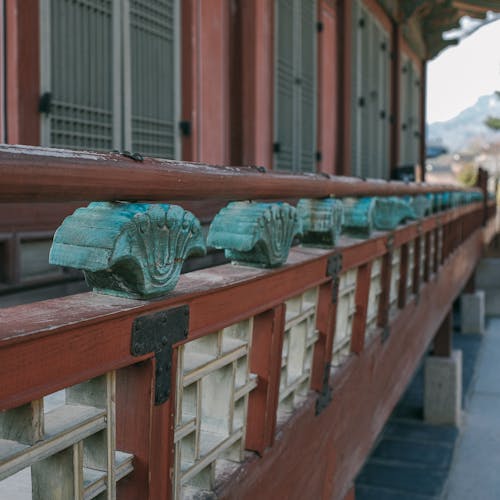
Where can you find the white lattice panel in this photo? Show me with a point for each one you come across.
(440, 237)
(64, 445)
(395, 278)
(346, 307)
(432, 252)
(213, 383)
(299, 337)
(374, 297)
(411, 267)
(422, 259)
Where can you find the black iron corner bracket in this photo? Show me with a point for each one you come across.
(158, 332)
(333, 269)
(325, 396)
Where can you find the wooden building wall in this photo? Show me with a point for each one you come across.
(227, 90)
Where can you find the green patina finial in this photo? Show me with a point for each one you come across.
(391, 211)
(358, 216)
(321, 220)
(257, 234)
(131, 250)
(421, 205)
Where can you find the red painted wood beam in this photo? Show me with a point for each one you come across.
(45, 175)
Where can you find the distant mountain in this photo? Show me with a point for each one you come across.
(460, 132)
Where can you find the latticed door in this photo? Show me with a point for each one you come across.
(109, 75)
(295, 85)
(410, 112)
(370, 97)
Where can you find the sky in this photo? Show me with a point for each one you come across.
(458, 76)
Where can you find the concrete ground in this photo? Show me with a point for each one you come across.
(475, 469)
(414, 460)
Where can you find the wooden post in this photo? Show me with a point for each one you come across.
(427, 259)
(416, 267)
(403, 276)
(361, 301)
(265, 362)
(325, 323)
(443, 337)
(385, 295)
(134, 403)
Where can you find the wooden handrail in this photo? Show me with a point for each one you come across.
(33, 174)
(67, 341)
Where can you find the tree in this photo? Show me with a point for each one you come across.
(467, 175)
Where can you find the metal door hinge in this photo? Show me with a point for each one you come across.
(45, 103)
(386, 332)
(185, 127)
(389, 244)
(319, 27)
(276, 147)
(158, 332)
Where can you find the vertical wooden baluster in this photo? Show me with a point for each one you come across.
(416, 265)
(385, 296)
(325, 323)
(134, 403)
(403, 276)
(361, 301)
(265, 362)
(427, 260)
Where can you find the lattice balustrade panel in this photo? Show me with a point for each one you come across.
(440, 237)
(213, 383)
(346, 308)
(374, 297)
(395, 278)
(432, 250)
(422, 259)
(299, 337)
(63, 446)
(411, 267)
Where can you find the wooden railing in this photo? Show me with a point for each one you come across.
(243, 381)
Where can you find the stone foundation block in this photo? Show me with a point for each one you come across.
(472, 312)
(443, 389)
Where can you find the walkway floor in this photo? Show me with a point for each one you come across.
(475, 470)
(413, 460)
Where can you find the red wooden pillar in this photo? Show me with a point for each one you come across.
(22, 71)
(328, 83)
(253, 83)
(443, 338)
(205, 80)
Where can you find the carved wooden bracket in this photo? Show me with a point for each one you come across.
(358, 216)
(133, 250)
(391, 211)
(256, 234)
(321, 220)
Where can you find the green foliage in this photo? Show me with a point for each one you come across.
(468, 175)
(492, 122)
